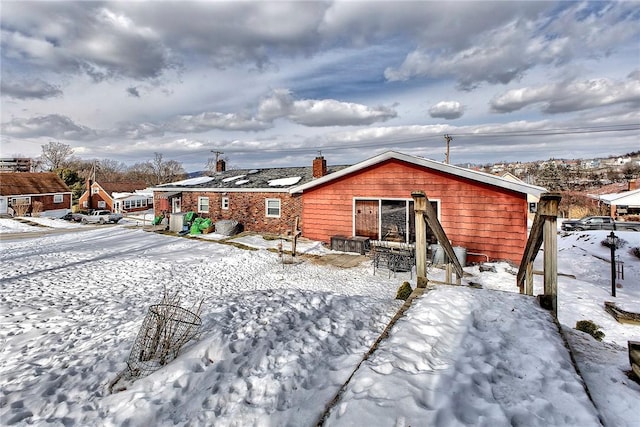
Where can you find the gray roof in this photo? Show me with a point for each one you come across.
(248, 180)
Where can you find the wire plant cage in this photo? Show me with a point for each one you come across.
(165, 329)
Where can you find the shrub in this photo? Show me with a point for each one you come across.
(21, 209)
(404, 291)
(621, 243)
(590, 328)
(36, 208)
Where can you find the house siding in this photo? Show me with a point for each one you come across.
(101, 196)
(248, 208)
(480, 217)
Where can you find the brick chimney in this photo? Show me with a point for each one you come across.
(633, 184)
(319, 167)
(221, 166)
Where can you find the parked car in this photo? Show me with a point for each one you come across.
(76, 217)
(101, 217)
(599, 223)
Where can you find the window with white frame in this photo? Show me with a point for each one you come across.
(85, 204)
(272, 208)
(20, 201)
(225, 203)
(203, 204)
(102, 204)
(58, 198)
(95, 190)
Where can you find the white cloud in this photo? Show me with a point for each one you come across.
(320, 112)
(448, 110)
(570, 96)
(52, 125)
(28, 89)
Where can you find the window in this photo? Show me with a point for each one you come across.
(101, 204)
(20, 201)
(95, 190)
(388, 219)
(533, 207)
(85, 204)
(272, 207)
(203, 204)
(225, 203)
(57, 198)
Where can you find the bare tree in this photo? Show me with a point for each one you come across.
(157, 171)
(56, 154)
(111, 170)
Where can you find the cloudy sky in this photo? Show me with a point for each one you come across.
(273, 83)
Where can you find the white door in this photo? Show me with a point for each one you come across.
(176, 205)
(3, 205)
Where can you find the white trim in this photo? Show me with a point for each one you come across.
(200, 199)
(427, 163)
(224, 206)
(35, 194)
(266, 208)
(60, 200)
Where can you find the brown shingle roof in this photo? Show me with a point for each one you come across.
(19, 183)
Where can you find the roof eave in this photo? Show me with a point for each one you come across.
(431, 164)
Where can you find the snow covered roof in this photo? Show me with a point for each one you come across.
(285, 182)
(486, 178)
(275, 180)
(190, 181)
(627, 198)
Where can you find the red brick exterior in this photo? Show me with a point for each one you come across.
(482, 218)
(319, 167)
(47, 202)
(248, 208)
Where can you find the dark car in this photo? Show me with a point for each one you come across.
(75, 217)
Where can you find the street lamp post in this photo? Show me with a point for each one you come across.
(612, 239)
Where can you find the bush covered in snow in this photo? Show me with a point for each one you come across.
(591, 328)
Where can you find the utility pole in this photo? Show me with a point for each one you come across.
(448, 139)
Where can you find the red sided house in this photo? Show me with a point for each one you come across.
(116, 196)
(25, 188)
(259, 199)
(483, 213)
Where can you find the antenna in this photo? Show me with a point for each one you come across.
(217, 153)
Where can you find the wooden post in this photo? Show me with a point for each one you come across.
(420, 204)
(294, 236)
(550, 243)
(528, 290)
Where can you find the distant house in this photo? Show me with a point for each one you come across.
(25, 188)
(484, 213)
(622, 203)
(116, 196)
(259, 199)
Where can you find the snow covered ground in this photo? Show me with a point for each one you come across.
(278, 341)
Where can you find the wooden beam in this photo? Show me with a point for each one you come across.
(419, 204)
(424, 209)
(550, 236)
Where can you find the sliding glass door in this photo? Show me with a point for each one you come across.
(386, 219)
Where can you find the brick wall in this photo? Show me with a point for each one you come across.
(247, 208)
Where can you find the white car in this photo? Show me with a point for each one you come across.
(101, 217)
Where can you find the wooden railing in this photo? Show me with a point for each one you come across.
(544, 230)
(426, 215)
